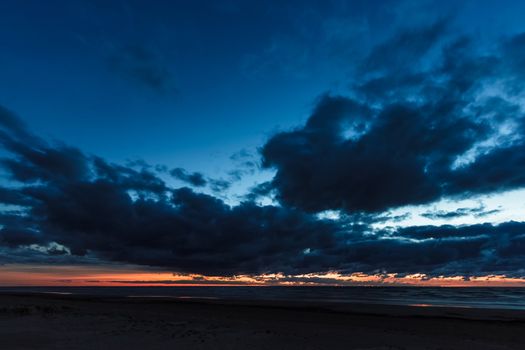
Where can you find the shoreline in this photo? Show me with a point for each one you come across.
(355, 308)
(86, 322)
(487, 299)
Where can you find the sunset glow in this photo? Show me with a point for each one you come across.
(76, 276)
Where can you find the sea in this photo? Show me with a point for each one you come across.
(470, 297)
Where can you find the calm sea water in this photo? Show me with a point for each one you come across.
(497, 298)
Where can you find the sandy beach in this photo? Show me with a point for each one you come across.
(79, 322)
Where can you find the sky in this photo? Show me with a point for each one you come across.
(262, 142)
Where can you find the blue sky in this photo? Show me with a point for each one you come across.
(236, 70)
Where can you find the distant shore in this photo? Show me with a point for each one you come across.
(35, 321)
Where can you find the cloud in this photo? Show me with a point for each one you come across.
(410, 132)
(400, 52)
(446, 132)
(81, 209)
(246, 163)
(13, 237)
(219, 185)
(480, 211)
(315, 38)
(110, 212)
(143, 66)
(195, 179)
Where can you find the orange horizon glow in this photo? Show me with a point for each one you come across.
(107, 276)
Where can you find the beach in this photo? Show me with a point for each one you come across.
(53, 321)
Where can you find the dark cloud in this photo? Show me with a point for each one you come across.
(219, 185)
(141, 65)
(403, 50)
(514, 50)
(480, 211)
(261, 190)
(438, 250)
(93, 208)
(388, 217)
(245, 163)
(113, 213)
(439, 135)
(14, 125)
(13, 237)
(195, 179)
(12, 197)
(412, 132)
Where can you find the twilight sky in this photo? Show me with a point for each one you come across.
(234, 142)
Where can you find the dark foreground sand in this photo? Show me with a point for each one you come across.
(65, 322)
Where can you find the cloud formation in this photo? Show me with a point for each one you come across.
(141, 65)
(116, 213)
(428, 117)
(479, 212)
(195, 179)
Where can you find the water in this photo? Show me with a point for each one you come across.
(478, 297)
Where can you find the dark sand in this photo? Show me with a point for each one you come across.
(67, 322)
